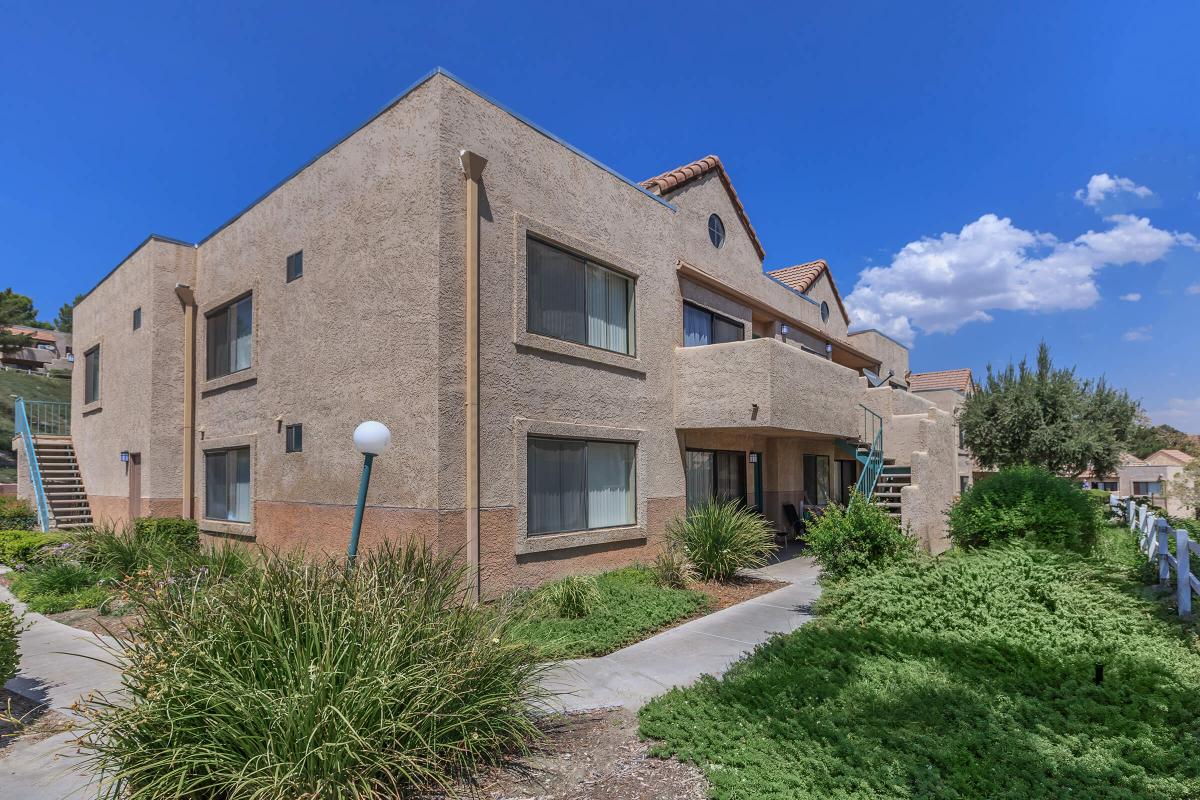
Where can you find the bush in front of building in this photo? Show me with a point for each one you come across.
(721, 537)
(25, 546)
(61, 584)
(8, 642)
(1025, 503)
(572, 597)
(672, 569)
(306, 678)
(178, 531)
(16, 515)
(860, 538)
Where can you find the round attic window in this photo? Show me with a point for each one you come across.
(824, 312)
(716, 230)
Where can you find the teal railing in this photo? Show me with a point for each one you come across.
(868, 451)
(27, 431)
(48, 417)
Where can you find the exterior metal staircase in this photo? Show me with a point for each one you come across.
(868, 451)
(58, 492)
(891, 481)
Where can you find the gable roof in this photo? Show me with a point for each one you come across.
(801, 277)
(674, 179)
(1177, 455)
(957, 379)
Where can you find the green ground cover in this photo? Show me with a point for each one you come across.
(970, 675)
(31, 387)
(630, 606)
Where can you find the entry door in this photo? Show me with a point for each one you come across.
(135, 485)
(847, 478)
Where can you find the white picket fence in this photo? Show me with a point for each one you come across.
(1154, 536)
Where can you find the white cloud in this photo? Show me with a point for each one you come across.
(1193, 289)
(1132, 297)
(1141, 334)
(1102, 185)
(938, 284)
(1181, 412)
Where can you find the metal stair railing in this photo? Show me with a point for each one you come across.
(24, 430)
(872, 462)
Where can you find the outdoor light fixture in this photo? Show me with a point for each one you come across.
(784, 329)
(371, 439)
(124, 455)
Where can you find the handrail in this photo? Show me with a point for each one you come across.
(48, 417)
(35, 473)
(873, 462)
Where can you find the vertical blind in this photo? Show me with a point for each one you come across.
(699, 477)
(227, 485)
(702, 327)
(229, 332)
(573, 299)
(578, 485)
(714, 473)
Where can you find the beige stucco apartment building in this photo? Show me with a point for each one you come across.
(565, 358)
(949, 389)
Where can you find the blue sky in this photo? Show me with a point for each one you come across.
(946, 148)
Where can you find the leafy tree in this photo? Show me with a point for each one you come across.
(1048, 417)
(66, 315)
(1149, 439)
(15, 309)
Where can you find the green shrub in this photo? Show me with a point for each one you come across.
(16, 515)
(308, 679)
(572, 597)
(59, 584)
(9, 656)
(182, 533)
(859, 538)
(632, 606)
(672, 570)
(134, 548)
(720, 538)
(25, 546)
(1100, 499)
(1024, 502)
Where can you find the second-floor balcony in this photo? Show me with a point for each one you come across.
(767, 385)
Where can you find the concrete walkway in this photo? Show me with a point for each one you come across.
(59, 664)
(679, 656)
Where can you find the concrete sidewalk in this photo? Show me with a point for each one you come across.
(59, 664)
(679, 656)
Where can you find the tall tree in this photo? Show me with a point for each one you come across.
(15, 309)
(1048, 417)
(66, 315)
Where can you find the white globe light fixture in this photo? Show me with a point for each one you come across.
(371, 438)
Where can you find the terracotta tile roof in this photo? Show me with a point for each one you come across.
(801, 277)
(37, 334)
(957, 379)
(1178, 455)
(671, 180)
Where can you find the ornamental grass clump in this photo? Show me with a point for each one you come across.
(311, 679)
(573, 597)
(719, 538)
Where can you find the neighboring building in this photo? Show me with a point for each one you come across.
(48, 350)
(1148, 478)
(949, 389)
(633, 356)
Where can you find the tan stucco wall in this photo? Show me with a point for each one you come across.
(141, 375)
(374, 330)
(891, 354)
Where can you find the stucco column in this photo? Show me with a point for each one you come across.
(472, 167)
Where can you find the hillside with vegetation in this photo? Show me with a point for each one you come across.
(1152, 438)
(31, 387)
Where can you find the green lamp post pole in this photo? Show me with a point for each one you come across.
(371, 439)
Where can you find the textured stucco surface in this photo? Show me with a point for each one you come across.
(374, 330)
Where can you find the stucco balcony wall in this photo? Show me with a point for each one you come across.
(767, 385)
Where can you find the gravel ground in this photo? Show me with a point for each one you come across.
(594, 755)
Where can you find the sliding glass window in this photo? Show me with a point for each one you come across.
(701, 326)
(712, 474)
(816, 479)
(573, 299)
(227, 484)
(229, 331)
(577, 485)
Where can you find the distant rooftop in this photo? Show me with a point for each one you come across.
(957, 379)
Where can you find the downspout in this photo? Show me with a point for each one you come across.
(188, 298)
(472, 167)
